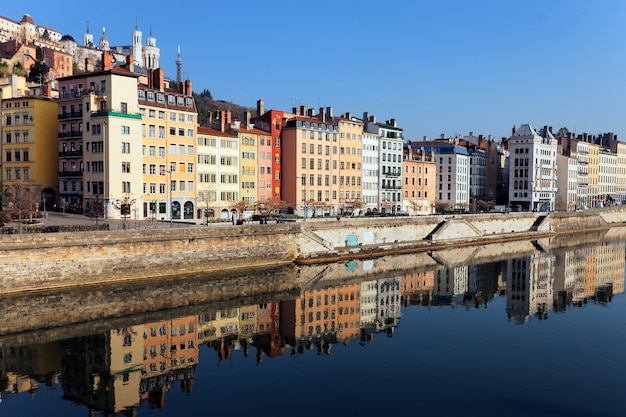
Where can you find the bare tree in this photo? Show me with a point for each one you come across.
(441, 206)
(123, 206)
(21, 201)
(95, 209)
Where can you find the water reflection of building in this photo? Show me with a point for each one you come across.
(25, 368)
(170, 353)
(450, 284)
(529, 286)
(321, 317)
(103, 371)
(368, 308)
(389, 305)
(417, 287)
(589, 272)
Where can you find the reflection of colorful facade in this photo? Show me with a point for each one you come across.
(332, 314)
(170, 352)
(417, 287)
(103, 371)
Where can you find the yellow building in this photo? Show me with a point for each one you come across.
(29, 149)
(248, 172)
(350, 160)
(168, 130)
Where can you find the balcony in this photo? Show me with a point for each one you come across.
(391, 187)
(70, 173)
(70, 154)
(72, 134)
(71, 115)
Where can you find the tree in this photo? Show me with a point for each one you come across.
(18, 69)
(22, 201)
(38, 72)
(95, 209)
(123, 205)
(441, 206)
(240, 206)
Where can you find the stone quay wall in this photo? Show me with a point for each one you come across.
(58, 260)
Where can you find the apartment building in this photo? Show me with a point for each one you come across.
(168, 149)
(218, 171)
(100, 151)
(390, 163)
(533, 172)
(310, 163)
(567, 183)
(370, 175)
(249, 163)
(29, 150)
(350, 130)
(420, 179)
(452, 171)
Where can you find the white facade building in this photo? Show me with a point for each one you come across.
(533, 169)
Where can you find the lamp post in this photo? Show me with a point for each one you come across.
(170, 195)
(302, 179)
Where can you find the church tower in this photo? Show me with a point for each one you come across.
(151, 53)
(88, 37)
(137, 44)
(104, 41)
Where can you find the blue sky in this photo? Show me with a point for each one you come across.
(436, 66)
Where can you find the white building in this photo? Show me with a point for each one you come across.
(607, 175)
(389, 163)
(370, 167)
(567, 183)
(533, 169)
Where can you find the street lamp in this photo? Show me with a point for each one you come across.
(303, 183)
(170, 196)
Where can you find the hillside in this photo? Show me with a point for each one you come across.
(205, 104)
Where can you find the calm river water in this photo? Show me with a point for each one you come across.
(527, 329)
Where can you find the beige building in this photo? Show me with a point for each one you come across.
(218, 171)
(419, 187)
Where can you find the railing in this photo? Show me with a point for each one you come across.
(70, 154)
(70, 173)
(72, 134)
(71, 115)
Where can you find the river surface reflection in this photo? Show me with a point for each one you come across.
(536, 328)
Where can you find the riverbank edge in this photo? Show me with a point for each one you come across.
(67, 260)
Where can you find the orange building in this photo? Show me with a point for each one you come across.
(419, 185)
(350, 162)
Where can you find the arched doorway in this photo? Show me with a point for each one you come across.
(176, 210)
(188, 210)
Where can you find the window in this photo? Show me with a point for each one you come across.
(125, 147)
(126, 167)
(126, 186)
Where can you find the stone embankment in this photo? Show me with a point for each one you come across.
(62, 260)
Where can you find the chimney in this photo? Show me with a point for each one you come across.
(321, 115)
(365, 116)
(107, 61)
(295, 111)
(221, 120)
(229, 117)
(185, 87)
(260, 107)
(329, 114)
(246, 119)
(130, 63)
(373, 119)
(392, 122)
(309, 112)
(348, 115)
(513, 130)
(209, 119)
(303, 110)
(158, 79)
